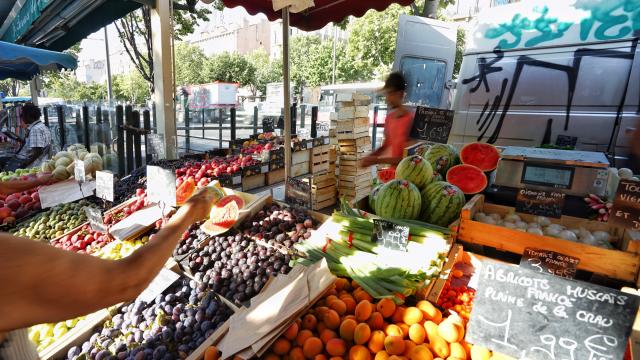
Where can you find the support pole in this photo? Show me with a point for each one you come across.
(85, 128)
(287, 91)
(146, 119)
(137, 140)
(161, 34)
(120, 139)
(33, 86)
(108, 61)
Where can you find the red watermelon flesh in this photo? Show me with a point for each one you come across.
(483, 156)
(468, 178)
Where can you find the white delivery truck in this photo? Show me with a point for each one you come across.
(532, 71)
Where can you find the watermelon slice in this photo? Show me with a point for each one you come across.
(185, 190)
(468, 178)
(386, 175)
(483, 156)
(223, 215)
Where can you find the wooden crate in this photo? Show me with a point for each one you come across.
(353, 170)
(319, 159)
(617, 264)
(300, 169)
(360, 145)
(322, 180)
(253, 182)
(302, 156)
(353, 125)
(354, 194)
(333, 153)
(351, 134)
(275, 176)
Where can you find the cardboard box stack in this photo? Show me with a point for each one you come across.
(354, 143)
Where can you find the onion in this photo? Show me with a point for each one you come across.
(521, 225)
(496, 217)
(479, 215)
(543, 221)
(535, 230)
(556, 227)
(512, 217)
(534, 225)
(625, 173)
(488, 220)
(509, 225)
(575, 232)
(552, 231)
(568, 235)
(588, 239)
(602, 236)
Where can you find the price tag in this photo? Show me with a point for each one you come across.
(78, 171)
(160, 283)
(546, 261)
(156, 145)
(529, 315)
(265, 168)
(60, 193)
(104, 185)
(541, 203)
(269, 123)
(626, 205)
(96, 220)
(432, 124)
(326, 140)
(161, 185)
(297, 192)
(390, 235)
(236, 179)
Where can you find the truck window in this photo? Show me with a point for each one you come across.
(425, 80)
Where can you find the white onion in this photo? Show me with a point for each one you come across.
(552, 231)
(568, 235)
(496, 217)
(521, 225)
(601, 236)
(625, 173)
(543, 221)
(588, 239)
(479, 215)
(535, 230)
(509, 225)
(488, 220)
(534, 225)
(513, 217)
(575, 232)
(556, 227)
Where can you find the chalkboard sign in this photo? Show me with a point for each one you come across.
(161, 185)
(566, 141)
(546, 261)
(626, 205)
(322, 127)
(104, 185)
(539, 202)
(269, 123)
(78, 171)
(156, 145)
(297, 192)
(96, 221)
(432, 124)
(529, 315)
(390, 235)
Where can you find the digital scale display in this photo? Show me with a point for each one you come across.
(553, 176)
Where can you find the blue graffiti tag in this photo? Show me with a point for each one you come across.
(602, 13)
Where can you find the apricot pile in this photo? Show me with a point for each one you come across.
(348, 324)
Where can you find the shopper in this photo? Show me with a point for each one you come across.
(397, 124)
(37, 142)
(44, 284)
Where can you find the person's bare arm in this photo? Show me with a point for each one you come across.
(34, 153)
(43, 284)
(14, 186)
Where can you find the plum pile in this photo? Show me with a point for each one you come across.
(190, 240)
(170, 327)
(237, 265)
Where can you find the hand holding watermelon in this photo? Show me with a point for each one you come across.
(200, 204)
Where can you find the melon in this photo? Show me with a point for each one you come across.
(48, 166)
(415, 169)
(92, 163)
(483, 156)
(398, 199)
(468, 178)
(185, 190)
(441, 203)
(373, 196)
(60, 173)
(64, 162)
(62, 154)
(441, 157)
(223, 216)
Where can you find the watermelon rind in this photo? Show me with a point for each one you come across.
(415, 169)
(472, 181)
(373, 196)
(441, 157)
(481, 155)
(441, 203)
(398, 199)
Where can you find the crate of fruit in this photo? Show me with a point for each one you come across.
(592, 242)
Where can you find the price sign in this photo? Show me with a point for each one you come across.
(390, 235)
(160, 283)
(541, 203)
(104, 185)
(78, 171)
(566, 141)
(626, 205)
(156, 145)
(264, 168)
(529, 315)
(236, 179)
(322, 127)
(96, 221)
(297, 192)
(432, 124)
(161, 185)
(269, 123)
(60, 193)
(546, 261)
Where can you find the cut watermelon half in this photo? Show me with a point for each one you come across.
(483, 156)
(468, 178)
(223, 215)
(386, 175)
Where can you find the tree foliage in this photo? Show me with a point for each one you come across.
(66, 86)
(130, 88)
(190, 60)
(267, 71)
(228, 67)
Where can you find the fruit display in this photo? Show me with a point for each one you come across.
(19, 205)
(543, 226)
(62, 164)
(190, 240)
(348, 323)
(122, 248)
(481, 155)
(442, 157)
(416, 170)
(54, 222)
(44, 335)
(19, 174)
(250, 147)
(238, 264)
(441, 203)
(468, 178)
(353, 252)
(398, 199)
(601, 207)
(169, 327)
(204, 172)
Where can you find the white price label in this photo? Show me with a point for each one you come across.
(264, 169)
(236, 180)
(104, 185)
(78, 171)
(95, 218)
(161, 185)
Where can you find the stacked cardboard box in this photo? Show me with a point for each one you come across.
(354, 143)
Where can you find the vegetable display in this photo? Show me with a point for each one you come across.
(441, 203)
(44, 335)
(54, 222)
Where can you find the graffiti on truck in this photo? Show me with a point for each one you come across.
(497, 107)
(601, 20)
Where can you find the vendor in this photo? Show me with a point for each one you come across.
(37, 142)
(397, 124)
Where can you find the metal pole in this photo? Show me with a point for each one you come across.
(294, 119)
(106, 53)
(314, 122)
(303, 110)
(85, 127)
(187, 132)
(255, 120)
(120, 139)
(45, 112)
(63, 133)
(233, 123)
(146, 119)
(287, 95)
(128, 120)
(333, 55)
(137, 141)
(374, 134)
(220, 129)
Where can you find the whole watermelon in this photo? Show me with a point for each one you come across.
(441, 203)
(398, 199)
(373, 196)
(415, 169)
(441, 157)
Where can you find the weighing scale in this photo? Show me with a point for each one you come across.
(574, 173)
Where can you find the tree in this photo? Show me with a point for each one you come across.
(228, 67)
(267, 71)
(65, 85)
(134, 31)
(460, 46)
(12, 87)
(189, 62)
(130, 87)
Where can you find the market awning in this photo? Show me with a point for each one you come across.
(23, 62)
(316, 17)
